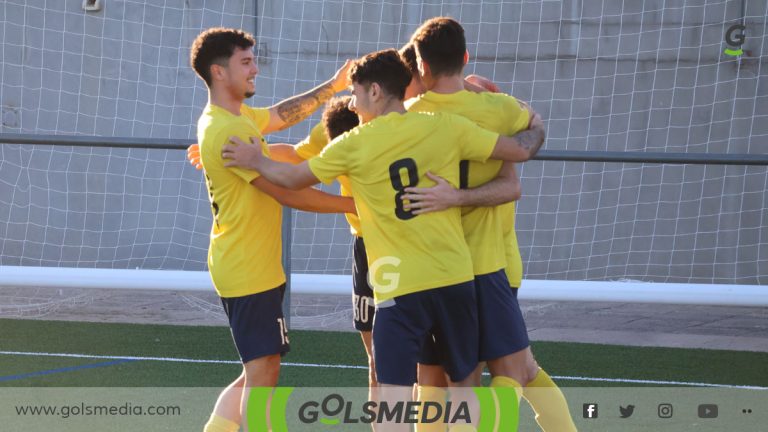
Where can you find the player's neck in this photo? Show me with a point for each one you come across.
(391, 105)
(448, 84)
(225, 100)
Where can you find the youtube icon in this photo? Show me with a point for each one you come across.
(707, 411)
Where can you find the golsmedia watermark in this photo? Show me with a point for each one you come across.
(335, 410)
(286, 409)
(88, 410)
(735, 38)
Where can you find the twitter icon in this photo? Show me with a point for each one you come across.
(627, 411)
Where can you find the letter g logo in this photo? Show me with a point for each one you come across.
(735, 40)
(389, 280)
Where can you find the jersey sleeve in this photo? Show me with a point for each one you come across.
(260, 116)
(477, 143)
(312, 145)
(518, 116)
(212, 155)
(334, 160)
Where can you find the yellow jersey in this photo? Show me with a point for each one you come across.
(489, 231)
(310, 147)
(407, 253)
(244, 256)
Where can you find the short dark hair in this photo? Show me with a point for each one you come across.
(338, 118)
(215, 46)
(441, 43)
(408, 54)
(385, 68)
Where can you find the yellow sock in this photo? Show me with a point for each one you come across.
(432, 394)
(218, 423)
(503, 381)
(549, 404)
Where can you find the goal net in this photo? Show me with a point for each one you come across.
(605, 76)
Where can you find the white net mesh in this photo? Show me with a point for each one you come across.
(618, 76)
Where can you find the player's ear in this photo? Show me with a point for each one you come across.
(466, 57)
(374, 91)
(217, 72)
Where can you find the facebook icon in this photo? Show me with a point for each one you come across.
(590, 410)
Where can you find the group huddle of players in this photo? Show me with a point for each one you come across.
(426, 162)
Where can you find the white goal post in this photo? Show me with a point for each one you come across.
(552, 290)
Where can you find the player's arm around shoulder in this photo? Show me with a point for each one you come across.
(503, 189)
(238, 154)
(306, 149)
(283, 152)
(211, 158)
(308, 199)
(523, 145)
(287, 183)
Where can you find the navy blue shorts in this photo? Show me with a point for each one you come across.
(502, 328)
(257, 324)
(449, 314)
(362, 294)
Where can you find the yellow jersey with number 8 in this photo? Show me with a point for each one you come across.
(407, 253)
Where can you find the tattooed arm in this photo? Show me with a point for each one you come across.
(524, 145)
(295, 109)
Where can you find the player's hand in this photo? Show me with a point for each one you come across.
(536, 121)
(240, 154)
(527, 107)
(537, 124)
(441, 196)
(340, 80)
(480, 84)
(193, 155)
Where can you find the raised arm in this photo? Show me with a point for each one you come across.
(282, 174)
(295, 109)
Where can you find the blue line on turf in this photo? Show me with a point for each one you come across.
(66, 369)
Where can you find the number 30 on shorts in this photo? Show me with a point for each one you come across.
(362, 305)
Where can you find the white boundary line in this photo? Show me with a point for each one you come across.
(338, 366)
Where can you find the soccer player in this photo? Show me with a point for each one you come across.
(244, 256)
(428, 285)
(337, 119)
(489, 231)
